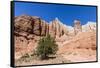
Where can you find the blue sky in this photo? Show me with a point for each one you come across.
(65, 13)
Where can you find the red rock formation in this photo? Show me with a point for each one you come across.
(29, 29)
(57, 28)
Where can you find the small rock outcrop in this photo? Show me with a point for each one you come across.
(77, 26)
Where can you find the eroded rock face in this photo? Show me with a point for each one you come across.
(27, 32)
(57, 29)
(23, 23)
(30, 24)
(44, 28)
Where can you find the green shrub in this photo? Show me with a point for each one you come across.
(46, 46)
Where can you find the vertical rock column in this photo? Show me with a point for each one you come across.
(57, 27)
(77, 27)
(51, 29)
(37, 26)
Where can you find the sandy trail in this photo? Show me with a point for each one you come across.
(80, 55)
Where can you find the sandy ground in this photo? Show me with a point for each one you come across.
(36, 61)
(80, 55)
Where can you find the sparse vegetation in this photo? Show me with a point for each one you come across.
(46, 46)
(25, 56)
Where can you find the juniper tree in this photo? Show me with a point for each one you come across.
(46, 46)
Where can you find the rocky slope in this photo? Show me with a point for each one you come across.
(81, 48)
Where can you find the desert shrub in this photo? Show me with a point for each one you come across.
(25, 56)
(46, 46)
